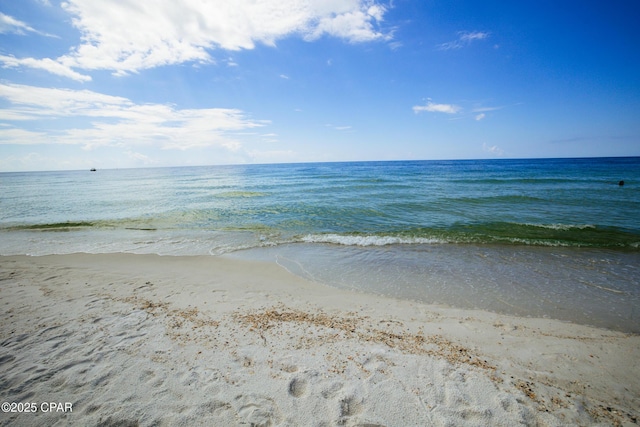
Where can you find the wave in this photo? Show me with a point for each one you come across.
(561, 226)
(228, 237)
(368, 240)
(549, 235)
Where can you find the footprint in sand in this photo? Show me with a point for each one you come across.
(218, 408)
(350, 406)
(258, 411)
(298, 387)
(331, 390)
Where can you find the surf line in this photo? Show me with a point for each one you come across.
(615, 291)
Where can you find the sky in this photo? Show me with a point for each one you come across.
(131, 83)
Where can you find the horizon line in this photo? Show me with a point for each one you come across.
(94, 169)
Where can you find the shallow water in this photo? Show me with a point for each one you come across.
(588, 286)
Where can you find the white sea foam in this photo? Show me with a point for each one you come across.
(562, 226)
(537, 242)
(368, 240)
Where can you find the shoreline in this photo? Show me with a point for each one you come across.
(182, 340)
(585, 286)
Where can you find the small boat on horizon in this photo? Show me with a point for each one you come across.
(92, 169)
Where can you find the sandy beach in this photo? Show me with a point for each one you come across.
(145, 340)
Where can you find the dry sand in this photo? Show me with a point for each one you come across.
(145, 340)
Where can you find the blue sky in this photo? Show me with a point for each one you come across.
(126, 83)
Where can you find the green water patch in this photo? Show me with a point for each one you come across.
(574, 235)
(126, 224)
(55, 226)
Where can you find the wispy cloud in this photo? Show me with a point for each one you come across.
(114, 121)
(468, 37)
(478, 113)
(465, 38)
(483, 110)
(47, 64)
(126, 36)
(341, 128)
(437, 108)
(493, 149)
(486, 109)
(139, 158)
(9, 24)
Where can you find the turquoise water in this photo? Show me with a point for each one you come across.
(551, 237)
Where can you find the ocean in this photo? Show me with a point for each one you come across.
(556, 238)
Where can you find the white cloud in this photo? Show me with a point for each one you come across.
(335, 127)
(474, 35)
(437, 108)
(47, 64)
(483, 110)
(464, 39)
(355, 24)
(486, 109)
(115, 121)
(493, 149)
(21, 136)
(9, 24)
(269, 137)
(126, 36)
(32, 103)
(139, 157)
(479, 113)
